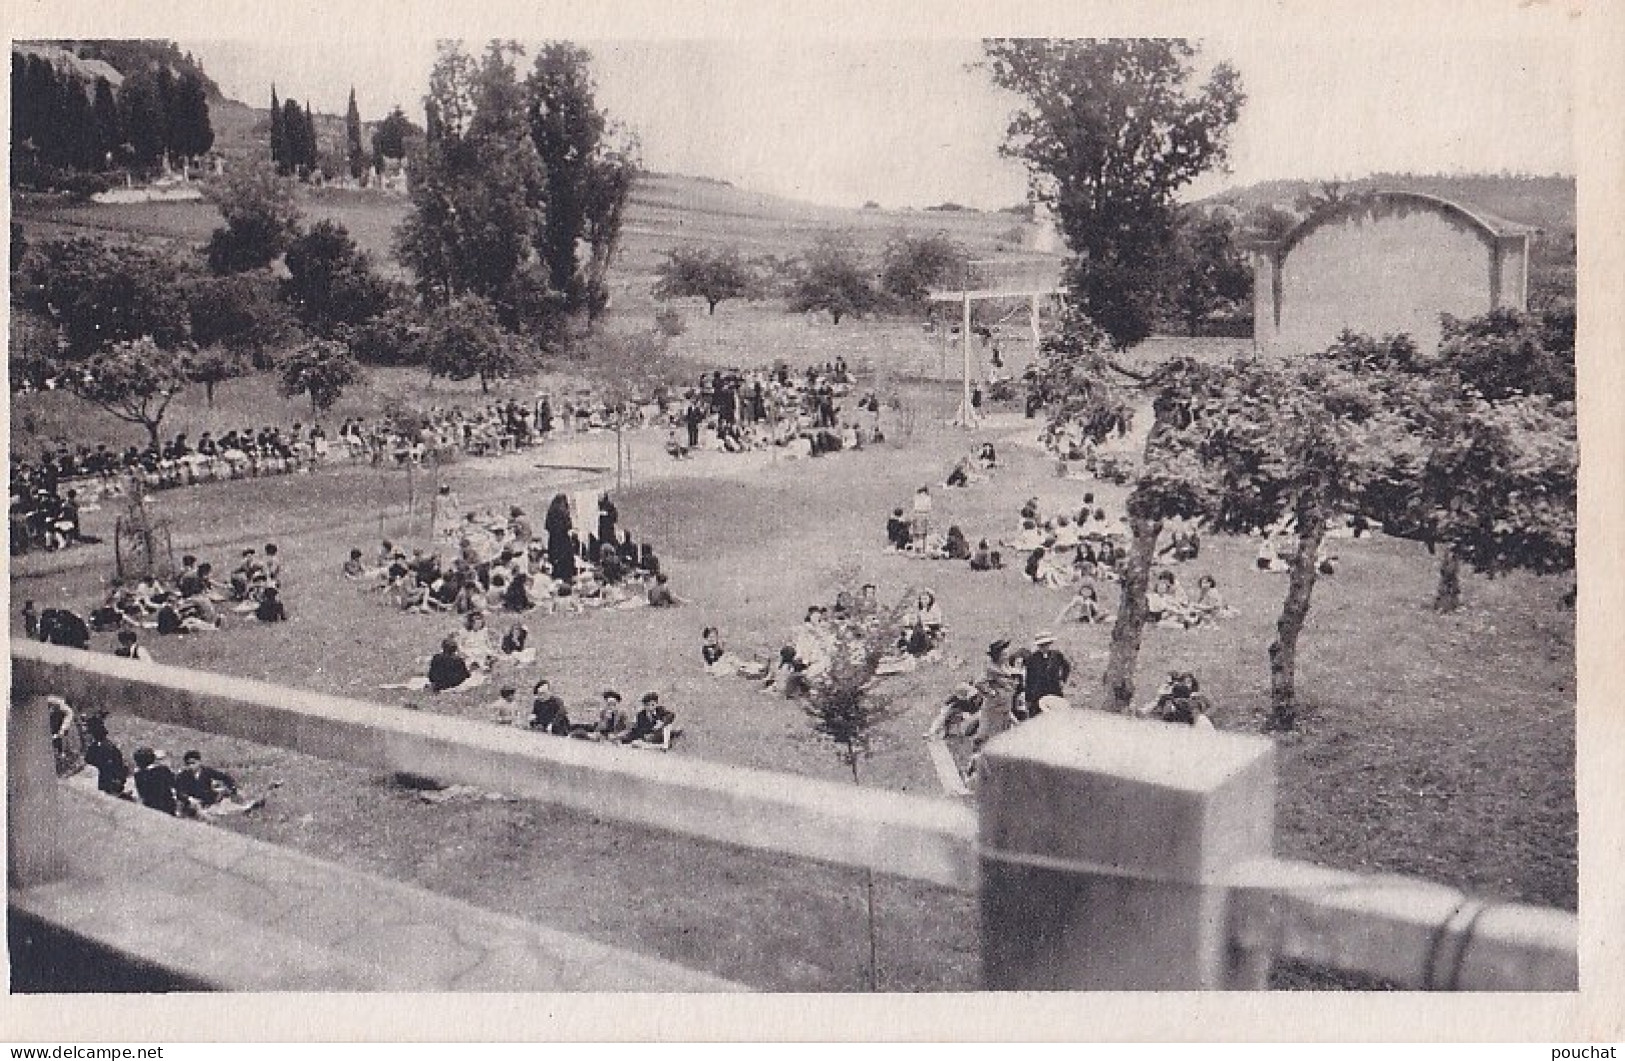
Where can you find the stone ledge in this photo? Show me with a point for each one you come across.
(238, 914)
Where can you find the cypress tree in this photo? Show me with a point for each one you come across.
(352, 136)
(293, 136)
(109, 129)
(279, 137)
(189, 118)
(312, 147)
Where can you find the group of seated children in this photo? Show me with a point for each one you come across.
(1095, 551)
(1276, 550)
(500, 567)
(973, 468)
(653, 726)
(1180, 700)
(1168, 605)
(194, 601)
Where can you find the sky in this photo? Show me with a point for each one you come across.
(913, 123)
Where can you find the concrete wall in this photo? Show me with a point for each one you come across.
(1380, 267)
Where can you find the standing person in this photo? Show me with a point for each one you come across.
(921, 524)
(1045, 674)
(561, 549)
(112, 772)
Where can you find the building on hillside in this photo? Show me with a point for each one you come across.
(1382, 263)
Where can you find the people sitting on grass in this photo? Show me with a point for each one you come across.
(155, 782)
(1180, 700)
(354, 569)
(654, 726)
(202, 791)
(1209, 604)
(612, 722)
(129, 648)
(1166, 603)
(505, 708)
(956, 547)
(270, 608)
(448, 669)
(547, 713)
(1084, 607)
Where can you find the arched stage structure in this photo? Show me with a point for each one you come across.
(1382, 263)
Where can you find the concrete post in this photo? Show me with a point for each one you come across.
(34, 853)
(1105, 842)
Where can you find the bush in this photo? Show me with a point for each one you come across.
(670, 323)
(1115, 468)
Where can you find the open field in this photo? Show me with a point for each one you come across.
(1439, 746)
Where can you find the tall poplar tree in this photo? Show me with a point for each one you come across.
(352, 136)
(279, 136)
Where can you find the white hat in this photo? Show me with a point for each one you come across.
(1053, 703)
(1043, 637)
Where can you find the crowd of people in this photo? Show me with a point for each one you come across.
(736, 412)
(501, 564)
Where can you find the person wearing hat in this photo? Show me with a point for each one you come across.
(1044, 674)
(961, 712)
(155, 782)
(653, 727)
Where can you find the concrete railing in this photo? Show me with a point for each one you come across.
(1107, 853)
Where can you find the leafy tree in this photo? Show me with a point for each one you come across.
(1111, 129)
(1209, 273)
(100, 294)
(395, 336)
(132, 380)
(475, 192)
(242, 316)
(468, 341)
(847, 710)
(1267, 223)
(912, 265)
(589, 171)
(833, 278)
(331, 284)
(1490, 477)
(357, 154)
(260, 215)
(213, 366)
(389, 139)
(280, 156)
(322, 368)
(715, 274)
(190, 133)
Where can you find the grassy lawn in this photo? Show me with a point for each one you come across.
(1440, 746)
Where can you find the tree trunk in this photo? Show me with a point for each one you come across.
(208, 393)
(152, 431)
(868, 896)
(1448, 597)
(712, 312)
(1131, 614)
(1283, 651)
